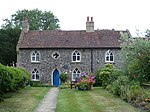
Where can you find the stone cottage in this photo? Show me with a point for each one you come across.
(47, 54)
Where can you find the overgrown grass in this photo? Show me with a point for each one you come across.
(97, 100)
(147, 92)
(23, 100)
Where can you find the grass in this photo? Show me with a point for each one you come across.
(147, 92)
(24, 100)
(97, 100)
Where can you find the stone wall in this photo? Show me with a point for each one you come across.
(64, 63)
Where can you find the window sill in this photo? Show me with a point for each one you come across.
(76, 62)
(109, 62)
(36, 62)
(35, 80)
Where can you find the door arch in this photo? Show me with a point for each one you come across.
(56, 78)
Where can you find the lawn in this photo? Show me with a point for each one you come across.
(24, 100)
(97, 100)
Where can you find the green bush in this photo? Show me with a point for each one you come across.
(38, 84)
(12, 78)
(116, 86)
(105, 74)
(6, 82)
(130, 91)
(97, 80)
(63, 77)
(26, 76)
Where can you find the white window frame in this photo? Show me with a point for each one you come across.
(108, 55)
(34, 54)
(77, 54)
(36, 72)
(77, 72)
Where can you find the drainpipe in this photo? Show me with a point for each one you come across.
(92, 60)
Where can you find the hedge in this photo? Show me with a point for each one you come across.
(12, 78)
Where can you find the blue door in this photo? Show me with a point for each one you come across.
(56, 78)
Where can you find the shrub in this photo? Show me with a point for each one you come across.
(26, 76)
(105, 74)
(12, 78)
(130, 91)
(97, 80)
(5, 79)
(38, 84)
(63, 77)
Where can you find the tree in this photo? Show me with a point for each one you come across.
(8, 42)
(136, 57)
(10, 32)
(37, 19)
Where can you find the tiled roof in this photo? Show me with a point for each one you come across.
(71, 39)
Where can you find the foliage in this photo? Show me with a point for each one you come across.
(97, 80)
(115, 86)
(37, 19)
(65, 85)
(8, 42)
(86, 81)
(130, 91)
(12, 78)
(63, 77)
(105, 74)
(136, 58)
(38, 84)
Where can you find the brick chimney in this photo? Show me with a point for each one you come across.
(90, 25)
(25, 25)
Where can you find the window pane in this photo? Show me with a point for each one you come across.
(33, 54)
(37, 58)
(74, 58)
(111, 58)
(74, 76)
(107, 58)
(74, 54)
(78, 58)
(33, 76)
(77, 75)
(33, 58)
(37, 76)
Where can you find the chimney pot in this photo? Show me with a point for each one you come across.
(87, 18)
(91, 19)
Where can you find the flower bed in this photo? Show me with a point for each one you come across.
(86, 81)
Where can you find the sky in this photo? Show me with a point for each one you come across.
(133, 15)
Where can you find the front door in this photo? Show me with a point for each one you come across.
(56, 78)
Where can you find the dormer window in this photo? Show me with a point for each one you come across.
(109, 57)
(76, 56)
(35, 56)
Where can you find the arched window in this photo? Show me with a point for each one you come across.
(109, 57)
(75, 74)
(35, 75)
(76, 56)
(35, 56)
